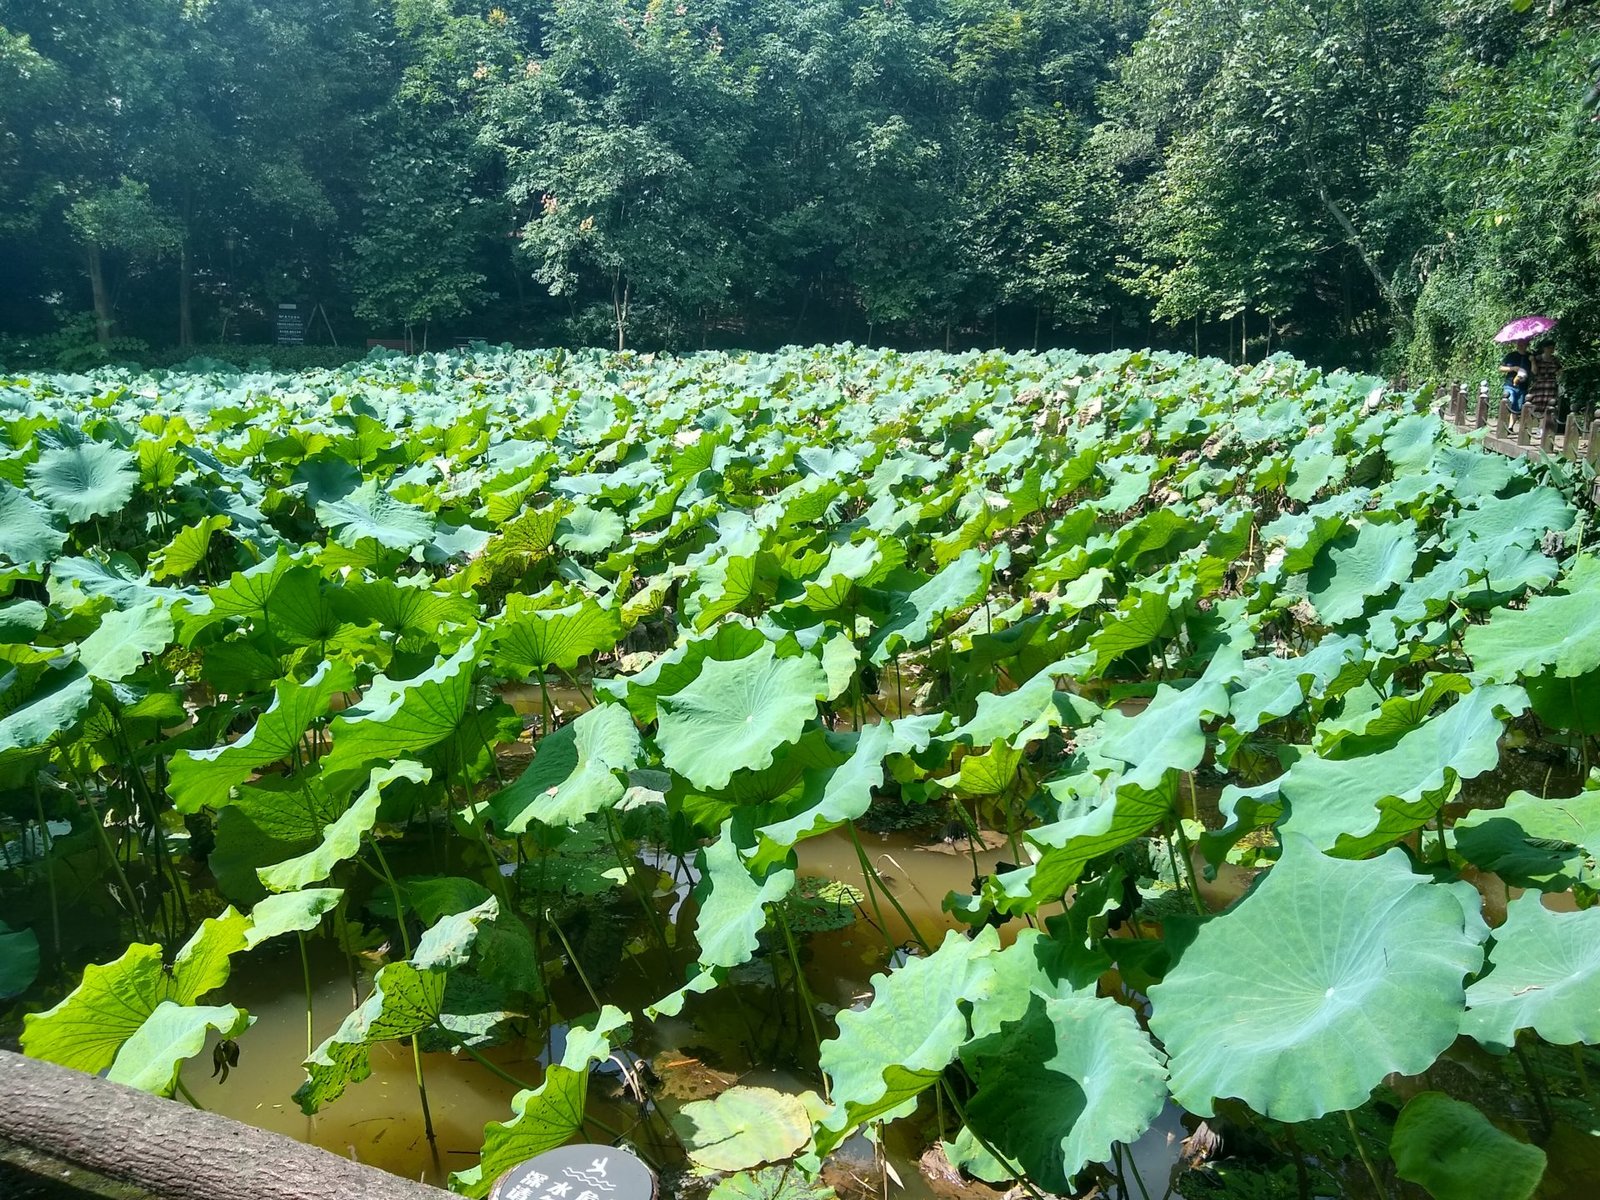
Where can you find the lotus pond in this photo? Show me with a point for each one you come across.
(830, 772)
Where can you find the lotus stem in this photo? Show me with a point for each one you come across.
(1366, 1160)
(483, 1062)
(178, 1085)
(576, 964)
(961, 1113)
(872, 891)
(872, 873)
(305, 970)
(614, 835)
(806, 999)
(405, 941)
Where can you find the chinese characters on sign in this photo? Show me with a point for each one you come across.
(578, 1173)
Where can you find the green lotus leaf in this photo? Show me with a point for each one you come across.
(371, 512)
(188, 547)
(403, 716)
(88, 480)
(732, 902)
(201, 778)
(342, 838)
(19, 960)
(291, 912)
(1099, 817)
(1544, 975)
(407, 998)
(1275, 687)
(1551, 845)
(574, 773)
(735, 715)
(890, 1052)
(916, 614)
(527, 640)
(1061, 1085)
(1559, 631)
(585, 530)
(546, 1116)
(1354, 569)
(677, 668)
(1326, 977)
(743, 1127)
(1452, 1151)
(88, 1028)
(28, 531)
(831, 798)
(1169, 733)
(55, 706)
(1353, 806)
(771, 1183)
(117, 648)
(149, 1060)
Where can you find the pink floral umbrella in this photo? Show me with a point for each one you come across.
(1525, 327)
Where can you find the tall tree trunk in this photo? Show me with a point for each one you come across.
(102, 302)
(185, 294)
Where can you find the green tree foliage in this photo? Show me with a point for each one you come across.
(1380, 181)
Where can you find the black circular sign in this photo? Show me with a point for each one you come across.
(582, 1172)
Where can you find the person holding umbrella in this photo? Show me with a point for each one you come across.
(1542, 397)
(1516, 368)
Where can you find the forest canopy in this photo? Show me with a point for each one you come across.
(1379, 182)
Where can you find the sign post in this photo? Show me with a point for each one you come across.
(582, 1172)
(291, 327)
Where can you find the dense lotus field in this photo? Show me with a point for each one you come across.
(1146, 624)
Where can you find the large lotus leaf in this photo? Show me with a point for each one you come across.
(546, 1116)
(84, 481)
(528, 640)
(87, 1028)
(830, 798)
(291, 912)
(914, 615)
(371, 512)
(1142, 616)
(678, 667)
(55, 707)
(1096, 819)
(1497, 524)
(834, 581)
(203, 963)
(403, 716)
(735, 715)
(1452, 1151)
(1169, 733)
(574, 772)
(1326, 977)
(187, 549)
(407, 606)
(407, 997)
(28, 531)
(1562, 632)
(117, 648)
(743, 1127)
(586, 530)
(888, 1053)
(205, 777)
(1059, 1087)
(1364, 730)
(342, 838)
(1353, 806)
(1275, 687)
(733, 901)
(149, 1060)
(1544, 975)
(1352, 570)
(1533, 842)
